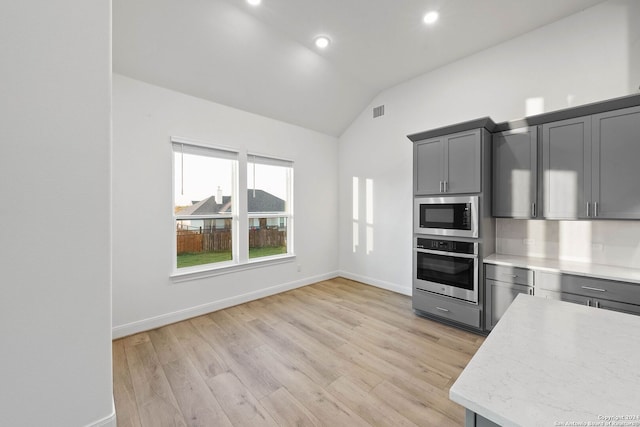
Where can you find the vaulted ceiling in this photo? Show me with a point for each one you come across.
(262, 59)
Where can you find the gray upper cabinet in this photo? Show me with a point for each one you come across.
(463, 162)
(515, 174)
(449, 164)
(590, 166)
(429, 168)
(616, 167)
(566, 168)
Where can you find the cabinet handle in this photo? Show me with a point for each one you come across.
(588, 208)
(445, 186)
(588, 303)
(530, 291)
(595, 208)
(597, 304)
(533, 210)
(441, 187)
(511, 275)
(442, 309)
(589, 288)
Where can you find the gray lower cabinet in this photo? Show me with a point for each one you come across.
(447, 308)
(449, 164)
(474, 420)
(606, 294)
(515, 174)
(499, 296)
(502, 285)
(590, 301)
(617, 306)
(564, 296)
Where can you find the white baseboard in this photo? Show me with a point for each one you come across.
(177, 316)
(377, 283)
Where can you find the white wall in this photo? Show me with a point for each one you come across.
(584, 58)
(55, 297)
(145, 117)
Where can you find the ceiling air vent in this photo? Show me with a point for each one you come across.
(378, 111)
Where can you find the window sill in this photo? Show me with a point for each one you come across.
(194, 273)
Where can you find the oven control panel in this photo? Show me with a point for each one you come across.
(447, 246)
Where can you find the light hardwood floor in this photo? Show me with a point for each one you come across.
(336, 353)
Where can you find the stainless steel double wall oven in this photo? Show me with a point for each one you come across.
(443, 264)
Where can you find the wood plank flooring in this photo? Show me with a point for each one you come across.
(336, 353)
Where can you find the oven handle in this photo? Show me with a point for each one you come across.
(453, 254)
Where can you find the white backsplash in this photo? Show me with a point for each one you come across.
(599, 242)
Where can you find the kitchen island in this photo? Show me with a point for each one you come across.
(553, 363)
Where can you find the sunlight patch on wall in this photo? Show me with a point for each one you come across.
(565, 185)
(355, 212)
(362, 198)
(520, 179)
(369, 215)
(534, 106)
(575, 241)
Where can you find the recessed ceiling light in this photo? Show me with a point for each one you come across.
(430, 17)
(322, 42)
(254, 2)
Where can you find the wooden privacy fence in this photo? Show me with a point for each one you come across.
(211, 240)
(267, 237)
(189, 242)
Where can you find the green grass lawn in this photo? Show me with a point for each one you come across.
(268, 251)
(189, 260)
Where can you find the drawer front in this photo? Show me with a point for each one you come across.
(447, 309)
(618, 306)
(592, 287)
(504, 273)
(562, 296)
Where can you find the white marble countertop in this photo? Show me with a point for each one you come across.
(610, 272)
(551, 363)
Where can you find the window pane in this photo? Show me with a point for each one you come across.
(269, 184)
(267, 236)
(268, 188)
(203, 241)
(202, 184)
(203, 187)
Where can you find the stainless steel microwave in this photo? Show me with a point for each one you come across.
(446, 216)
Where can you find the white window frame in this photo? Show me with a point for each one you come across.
(256, 158)
(240, 217)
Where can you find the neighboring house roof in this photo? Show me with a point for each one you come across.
(260, 202)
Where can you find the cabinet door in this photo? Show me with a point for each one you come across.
(515, 176)
(618, 306)
(616, 171)
(463, 162)
(500, 295)
(429, 166)
(563, 296)
(566, 165)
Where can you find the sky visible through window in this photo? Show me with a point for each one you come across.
(203, 176)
